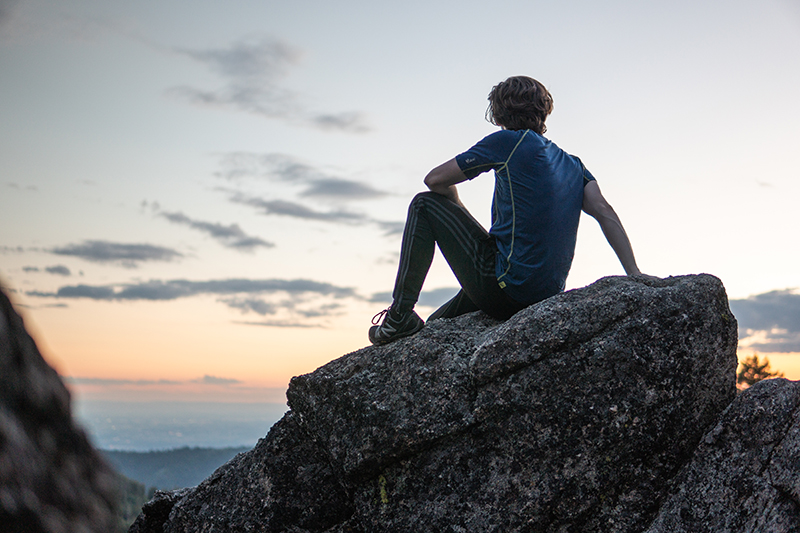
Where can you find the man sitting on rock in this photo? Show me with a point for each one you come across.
(526, 255)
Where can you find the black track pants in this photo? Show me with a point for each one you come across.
(469, 250)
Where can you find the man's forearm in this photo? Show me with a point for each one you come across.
(450, 192)
(618, 239)
(442, 180)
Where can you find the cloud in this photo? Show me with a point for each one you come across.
(301, 299)
(296, 210)
(353, 121)
(260, 61)
(381, 297)
(278, 324)
(59, 270)
(181, 288)
(205, 380)
(214, 380)
(251, 73)
(11, 249)
(16, 187)
(293, 209)
(391, 228)
(282, 167)
(437, 297)
(128, 255)
(251, 304)
(334, 188)
(316, 185)
(294, 307)
(769, 322)
(271, 165)
(428, 298)
(230, 236)
(78, 291)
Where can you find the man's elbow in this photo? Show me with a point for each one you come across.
(432, 180)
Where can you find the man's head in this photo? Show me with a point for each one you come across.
(519, 103)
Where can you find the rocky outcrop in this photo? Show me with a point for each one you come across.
(51, 479)
(745, 474)
(574, 415)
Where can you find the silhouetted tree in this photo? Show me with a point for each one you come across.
(752, 370)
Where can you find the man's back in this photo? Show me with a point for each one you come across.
(535, 210)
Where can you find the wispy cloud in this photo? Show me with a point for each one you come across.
(11, 249)
(230, 236)
(106, 382)
(181, 288)
(252, 72)
(214, 380)
(316, 183)
(18, 187)
(254, 305)
(428, 298)
(334, 188)
(391, 228)
(296, 210)
(58, 270)
(293, 301)
(769, 322)
(277, 324)
(127, 255)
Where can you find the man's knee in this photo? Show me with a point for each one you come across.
(426, 196)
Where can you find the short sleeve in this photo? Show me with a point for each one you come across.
(587, 176)
(486, 155)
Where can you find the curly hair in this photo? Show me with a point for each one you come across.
(519, 103)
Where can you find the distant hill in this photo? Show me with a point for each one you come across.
(132, 497)
(171, 469)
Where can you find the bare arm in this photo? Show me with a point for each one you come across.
(597, 207)
(443, 180)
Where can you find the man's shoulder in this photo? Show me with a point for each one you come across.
(511, 138)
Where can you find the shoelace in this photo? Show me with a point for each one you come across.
(378, 317)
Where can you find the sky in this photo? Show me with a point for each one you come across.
(199, 200)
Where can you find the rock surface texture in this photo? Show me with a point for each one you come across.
(51, 479)
(597, 410)
(745, 475)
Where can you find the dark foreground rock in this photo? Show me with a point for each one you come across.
(51, 479)
(575, 415)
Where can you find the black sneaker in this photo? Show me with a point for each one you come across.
(394, 328)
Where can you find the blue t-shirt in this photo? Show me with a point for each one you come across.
(538, 196)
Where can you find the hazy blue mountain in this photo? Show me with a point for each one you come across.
(171, 469)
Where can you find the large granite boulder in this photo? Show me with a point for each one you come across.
(573, 415)
(51, 479)
(745, 474)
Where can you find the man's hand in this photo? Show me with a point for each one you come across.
(443, 179)
(597, 207)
